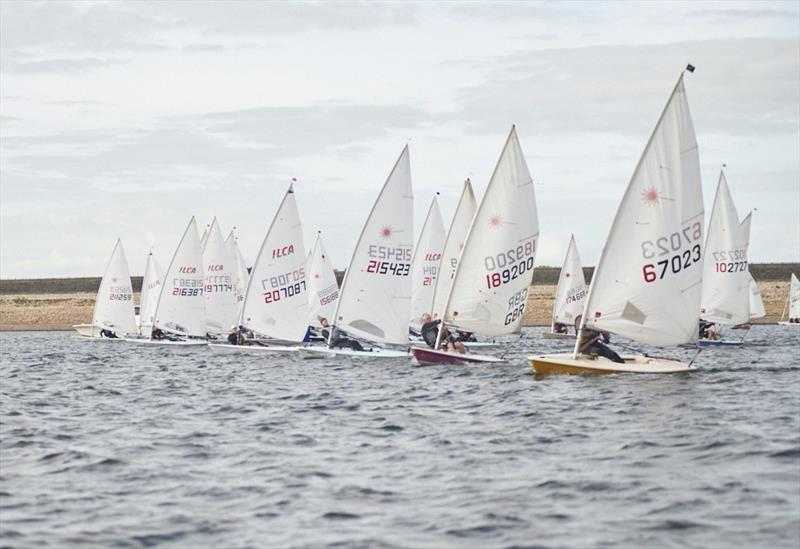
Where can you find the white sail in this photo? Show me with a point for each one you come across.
(756, 304)
(425, 263)
(726, 281)
(490, 288)
(794, 297)
(148, 298)
(240, 272)
(375, 298)
(323, 290)
(571, 290)
(453, 244)
(181, 304)
(647, 283)
(221, 268)
(276, 299)
(113, 308)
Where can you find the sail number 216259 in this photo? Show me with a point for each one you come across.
(679, 250)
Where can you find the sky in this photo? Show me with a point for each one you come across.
(126, 119)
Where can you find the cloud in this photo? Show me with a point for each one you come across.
(741, 85)
(60, 65)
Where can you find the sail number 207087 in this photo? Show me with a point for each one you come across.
(680, 250)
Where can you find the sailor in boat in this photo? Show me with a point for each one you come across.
(430, 331)
(337, 340)
(108, 333)
(469, 337)
(707, 331)
(560, 328)
(593, 342)
(235, 336)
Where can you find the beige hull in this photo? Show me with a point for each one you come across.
(87, 330)
(589, 365)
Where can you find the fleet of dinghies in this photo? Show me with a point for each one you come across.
(471, 280)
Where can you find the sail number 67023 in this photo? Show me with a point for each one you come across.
(676, 264)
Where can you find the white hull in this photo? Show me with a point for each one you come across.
(583, 364)
(787, 323)
(376, 352)
(166, 342)
(553, 335)
(228, 349)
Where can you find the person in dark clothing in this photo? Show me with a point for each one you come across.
(108, 333)
(706, 330)
(337, 340)
(469, 337)
(593, 343)
(430, 331)
(234, 335)
(560, 328)
(158, 334)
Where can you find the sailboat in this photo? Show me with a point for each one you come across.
(323, 290)
(647, 283)
(113, 308)
(375, 298)
(148, 298)
(180, 318)
(755, 303)
(425, 264)
(570, 293)
(275, 306)
(489, 291)
(792, 303)
(453, 244)
(241, 273)
(221, 271)
(725, 297)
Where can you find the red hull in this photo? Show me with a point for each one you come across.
(429, 356)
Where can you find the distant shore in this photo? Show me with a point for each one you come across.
(59, 311)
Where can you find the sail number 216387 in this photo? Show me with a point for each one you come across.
(679, 251)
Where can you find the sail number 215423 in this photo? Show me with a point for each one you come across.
(679, 250)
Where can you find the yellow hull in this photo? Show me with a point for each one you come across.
(591, 365)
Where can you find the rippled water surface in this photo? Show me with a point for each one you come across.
(110, 444)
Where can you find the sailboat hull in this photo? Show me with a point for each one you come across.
(87, 330)
(376, 352)
(428, 356)
(228, 349)
(590, 365)
(705, 343)
(787, 323)
(553, 335)
(167, 343)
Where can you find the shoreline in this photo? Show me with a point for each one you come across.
(60, 311)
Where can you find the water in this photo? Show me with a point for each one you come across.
(109, 444)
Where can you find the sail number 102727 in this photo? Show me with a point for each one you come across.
(679, 250)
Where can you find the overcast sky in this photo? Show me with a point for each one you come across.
(125, 119)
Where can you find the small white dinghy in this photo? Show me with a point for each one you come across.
(652, 296)
(375, 299)
(425, 264)
(148, 298)
(792, 303)
(570, 293)
(180, 312)
(113, 308)
(323, 289)
(276, 298)
(489, 291)
(725, 300)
